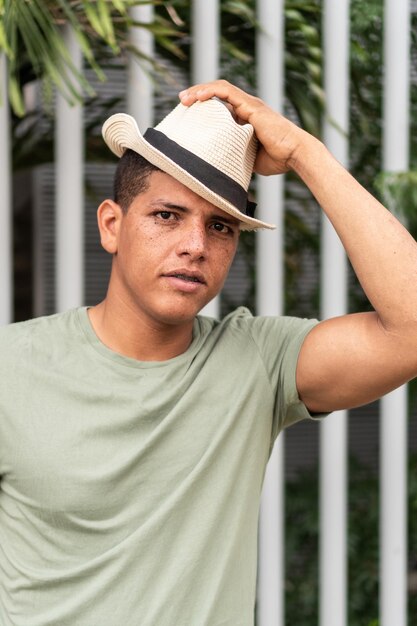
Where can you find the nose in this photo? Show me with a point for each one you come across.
(193, 241)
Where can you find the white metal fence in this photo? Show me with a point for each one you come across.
(333, 441)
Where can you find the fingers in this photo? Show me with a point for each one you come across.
(204, 91)
(192, 94)
(242, 103)
(276, 135)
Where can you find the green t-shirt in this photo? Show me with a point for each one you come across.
(130, 490)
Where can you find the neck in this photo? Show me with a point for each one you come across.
(129, 333)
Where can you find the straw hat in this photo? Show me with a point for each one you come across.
(203, 148)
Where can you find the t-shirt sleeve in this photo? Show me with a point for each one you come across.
(279, 340)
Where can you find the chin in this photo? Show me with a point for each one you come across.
(178, 315)
(179, 310)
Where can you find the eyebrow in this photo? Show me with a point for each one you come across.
(183, 209)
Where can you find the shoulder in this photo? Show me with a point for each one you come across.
(282, 329)
(242, 319)
(21, 339)
(45, 324)
(266, 332)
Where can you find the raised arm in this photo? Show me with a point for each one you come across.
(353, 359)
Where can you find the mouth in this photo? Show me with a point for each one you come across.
(185, 281)
(192, 277)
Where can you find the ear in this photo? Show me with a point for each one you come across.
(109, 216)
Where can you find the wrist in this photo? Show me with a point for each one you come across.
(306, 152)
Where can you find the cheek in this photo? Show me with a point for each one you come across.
(139, 242)
(146, 252)
(223, 260)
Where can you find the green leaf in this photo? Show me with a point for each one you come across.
(294, 15)
(4, 44)
(82, 40)
(105, 18)
(240, 9)
(94, 19)
(120, 6)
(235, 52)
(30, 32)
(16, 97)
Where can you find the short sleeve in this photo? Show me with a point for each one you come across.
(279, 341)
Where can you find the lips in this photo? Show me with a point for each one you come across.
(186, 275)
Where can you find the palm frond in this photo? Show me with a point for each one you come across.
(31, 35)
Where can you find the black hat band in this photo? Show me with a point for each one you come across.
(214, 179)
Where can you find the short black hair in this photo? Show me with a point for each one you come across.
(131, 178)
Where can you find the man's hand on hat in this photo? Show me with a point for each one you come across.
(280, 139)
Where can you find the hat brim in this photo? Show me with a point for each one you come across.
(121, 132)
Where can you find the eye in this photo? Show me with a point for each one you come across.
(221, 228)
(166, 216)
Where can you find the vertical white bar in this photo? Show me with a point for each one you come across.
(6, 256)
(140, 88)
(333, 453)
(69, 146)
(205, 40)
(333, 497)
(396, 99)
(270, 282)
(205, 50)
(393, 511)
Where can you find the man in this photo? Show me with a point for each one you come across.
(134, 435)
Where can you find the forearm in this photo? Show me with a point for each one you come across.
(352, 359)
(382, 252)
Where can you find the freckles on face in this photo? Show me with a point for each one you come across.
(175, 249)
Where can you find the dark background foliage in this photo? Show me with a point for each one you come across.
(302, 537)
